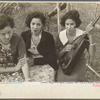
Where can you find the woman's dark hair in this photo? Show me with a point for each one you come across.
(74, 15)
(5, 20)
(35, 15)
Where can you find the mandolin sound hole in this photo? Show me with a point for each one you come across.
(65, 63)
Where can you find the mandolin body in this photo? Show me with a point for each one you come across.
(70, 59)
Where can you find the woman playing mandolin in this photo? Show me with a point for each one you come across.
(71, 21)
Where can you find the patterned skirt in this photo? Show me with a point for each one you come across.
(39, 73)
(12, 77)
(42, 73)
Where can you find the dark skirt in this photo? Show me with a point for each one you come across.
(77, 75)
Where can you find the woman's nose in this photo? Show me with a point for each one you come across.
(6, 36)
(69, 26)
(35, 26)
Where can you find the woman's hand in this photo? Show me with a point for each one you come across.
(30, 61)
(69, 47)
(21, 63)
(89, 28)
(33, 50)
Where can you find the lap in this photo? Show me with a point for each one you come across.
(42, 73)
(77, 74)
(12, 77)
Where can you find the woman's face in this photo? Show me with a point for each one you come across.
(70, 25)
(6, 34)
(36, 25)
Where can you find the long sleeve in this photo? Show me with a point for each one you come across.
(17, 51)
(17, 47)
(59, 50)
(58, 44)
(21, 48)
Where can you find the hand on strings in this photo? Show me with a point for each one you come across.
(89, 28)
(69, 47)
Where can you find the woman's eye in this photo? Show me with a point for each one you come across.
(36, 24)
(33, 23)
(3, 34)
(72, 23)
(39, 24)
(67, 24)
(9, 32)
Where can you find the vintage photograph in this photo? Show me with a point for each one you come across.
(49, 49)
(49, 42)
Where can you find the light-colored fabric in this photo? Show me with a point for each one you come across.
(42, 73)
(12, 77)
(63, 37)
(32, 43)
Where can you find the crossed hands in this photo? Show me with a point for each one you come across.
(21, 63)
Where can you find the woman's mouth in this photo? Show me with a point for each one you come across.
(35, 30)
(5, 42)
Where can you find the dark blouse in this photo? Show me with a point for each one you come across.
(46, 48)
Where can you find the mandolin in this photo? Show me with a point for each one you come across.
(69, 59)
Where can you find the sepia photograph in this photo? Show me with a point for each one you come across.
(49, 49)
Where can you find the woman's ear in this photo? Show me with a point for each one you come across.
(76, 25)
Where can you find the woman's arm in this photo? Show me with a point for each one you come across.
(23, 60)
(58, 43)
(19, 65)
(92, 46)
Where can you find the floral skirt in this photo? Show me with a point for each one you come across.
(39, 73)
(12, 77)
(42, 73)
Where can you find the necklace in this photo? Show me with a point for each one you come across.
(70, 36)
(36, 39)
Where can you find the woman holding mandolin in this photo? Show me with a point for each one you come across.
(71, 21)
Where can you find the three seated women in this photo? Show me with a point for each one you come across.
(39, 48)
